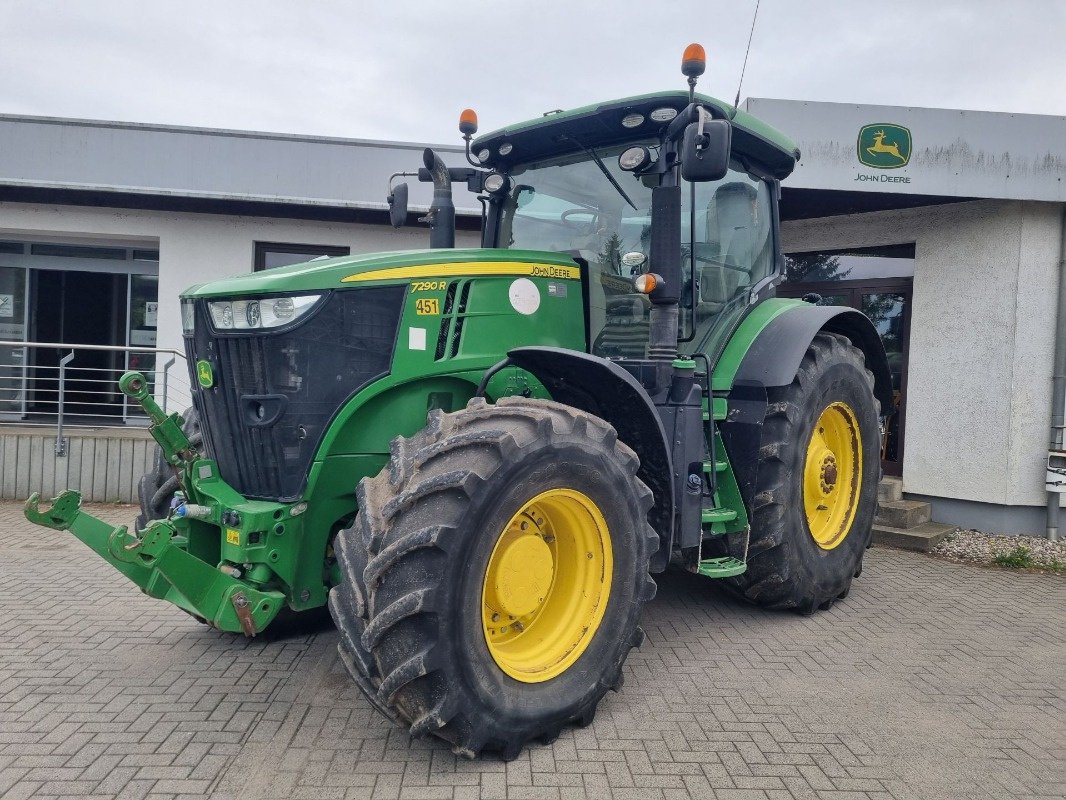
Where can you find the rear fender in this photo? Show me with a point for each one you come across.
(773, 359)
(600, 387)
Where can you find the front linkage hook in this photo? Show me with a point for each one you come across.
(59, 516)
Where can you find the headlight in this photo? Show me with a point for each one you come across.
(634, 158)
(495, 182)
(188, 317)
(267, 312)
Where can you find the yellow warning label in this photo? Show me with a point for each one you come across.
(233, 536)
(427, 306)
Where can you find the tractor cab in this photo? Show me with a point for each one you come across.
(583, 183)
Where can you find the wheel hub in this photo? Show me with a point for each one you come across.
(523, 576)
(829, 473)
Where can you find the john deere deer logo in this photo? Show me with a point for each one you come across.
(884, 146)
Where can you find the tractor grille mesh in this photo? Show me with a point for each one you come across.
(276, 393)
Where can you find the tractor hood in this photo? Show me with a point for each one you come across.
(383, 268)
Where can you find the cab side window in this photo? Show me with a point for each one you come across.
(733, 246)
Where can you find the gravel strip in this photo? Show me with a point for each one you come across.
(1005, 551)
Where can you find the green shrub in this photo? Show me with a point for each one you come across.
(1018, 557)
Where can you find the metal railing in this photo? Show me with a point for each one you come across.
(48, 384)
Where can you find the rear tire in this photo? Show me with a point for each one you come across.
(156, 488)
(411, 603)
(787, 566)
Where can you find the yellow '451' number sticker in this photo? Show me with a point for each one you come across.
(427, 306)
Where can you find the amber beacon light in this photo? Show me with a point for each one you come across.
(694, 61)
(468, 122)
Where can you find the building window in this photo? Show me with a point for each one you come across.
(277, 254)
(853, 264)
(79, 251)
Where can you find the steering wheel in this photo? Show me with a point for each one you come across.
(588, 224)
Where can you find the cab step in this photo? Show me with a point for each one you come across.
(724, 567)
(711, 515)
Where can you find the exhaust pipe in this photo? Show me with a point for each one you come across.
(441, 216)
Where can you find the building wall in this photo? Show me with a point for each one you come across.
(194, 248)
(981, 339)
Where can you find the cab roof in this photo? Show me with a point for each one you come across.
(600, 125)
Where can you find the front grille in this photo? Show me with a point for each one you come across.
(275, 394)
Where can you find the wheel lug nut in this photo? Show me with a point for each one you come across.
(495, 617)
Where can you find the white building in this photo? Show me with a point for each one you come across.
(947, 229)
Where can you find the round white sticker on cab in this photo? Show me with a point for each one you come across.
(524, 296)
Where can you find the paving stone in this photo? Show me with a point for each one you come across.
(931, 680)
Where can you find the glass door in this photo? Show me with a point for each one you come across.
(889, 312)
(12, 329)
(143, 314)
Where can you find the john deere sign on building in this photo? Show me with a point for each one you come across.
(925, 151)
(883, 146)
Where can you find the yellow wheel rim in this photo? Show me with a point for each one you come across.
(832, 475)
(546, 585)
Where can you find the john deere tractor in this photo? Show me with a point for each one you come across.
(479, 457)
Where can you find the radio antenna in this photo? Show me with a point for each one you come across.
(755, 16)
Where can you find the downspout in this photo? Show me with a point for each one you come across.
(1058, 382)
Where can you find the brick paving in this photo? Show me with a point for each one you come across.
(932, 680)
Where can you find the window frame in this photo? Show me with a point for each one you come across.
(261, 249)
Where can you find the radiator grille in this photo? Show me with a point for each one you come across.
(276, 393)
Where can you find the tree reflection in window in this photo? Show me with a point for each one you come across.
(814, 268)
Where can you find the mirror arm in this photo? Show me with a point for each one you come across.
(396, 175)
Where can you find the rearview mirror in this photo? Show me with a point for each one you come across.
(706, 157)
(397, 201)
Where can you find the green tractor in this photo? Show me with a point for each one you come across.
(479, 457)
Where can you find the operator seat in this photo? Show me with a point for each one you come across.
(724, 259)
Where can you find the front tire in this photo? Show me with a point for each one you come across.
(489, 533)
(816, 489)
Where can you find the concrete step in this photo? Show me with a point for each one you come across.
(922, 538)
(903, 513)
(889, 489)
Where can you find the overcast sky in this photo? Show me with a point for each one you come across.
(404, 70)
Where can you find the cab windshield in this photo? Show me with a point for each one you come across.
(567, 205)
